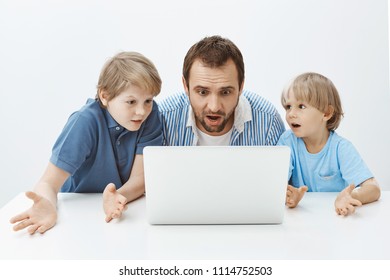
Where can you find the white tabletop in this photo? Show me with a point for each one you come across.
(311, 231)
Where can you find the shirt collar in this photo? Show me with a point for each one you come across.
(109, 119)
(242, 114)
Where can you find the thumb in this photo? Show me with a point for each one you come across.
(350, 188)
(303, 189)
(111, 187)
(33, 196)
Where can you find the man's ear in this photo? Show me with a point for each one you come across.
(329, 113)
(242, 86)
(185, 86)
(103, 97)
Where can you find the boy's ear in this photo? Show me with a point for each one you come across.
(185, 85)
(103, 97)
(329, 113)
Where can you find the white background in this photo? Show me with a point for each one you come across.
(51, 53)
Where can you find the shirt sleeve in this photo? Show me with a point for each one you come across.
(276, 130)
(75, 143)
(285, 141)
(352, 167)
(151, 134)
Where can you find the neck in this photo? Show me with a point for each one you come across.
(314, 144)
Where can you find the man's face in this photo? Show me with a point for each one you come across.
(214, 94)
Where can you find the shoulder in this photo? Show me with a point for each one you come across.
(90, 115)
(174, 102)
(341, 144)
(259, 103)
(288, 138)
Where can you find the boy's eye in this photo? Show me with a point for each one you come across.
(302, 106)
(149, 101)
(131, 102)
(287, 107)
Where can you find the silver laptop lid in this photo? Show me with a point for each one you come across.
(216, 185)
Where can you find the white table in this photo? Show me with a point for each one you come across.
(310, 231)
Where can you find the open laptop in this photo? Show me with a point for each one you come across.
(216, 184)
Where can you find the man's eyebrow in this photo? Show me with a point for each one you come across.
(200, 87)
(228, 88)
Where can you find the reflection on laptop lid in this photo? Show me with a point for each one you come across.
(216, 184)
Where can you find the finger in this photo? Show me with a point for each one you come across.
(290, 188)
(19, 218)
(122, 200)
(22, 225)
(350, 209)
(356, 202)
(32, 229)
(108, 219)
(43, 229)
(344, 212)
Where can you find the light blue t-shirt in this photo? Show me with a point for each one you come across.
(96, 150)
(336, 166)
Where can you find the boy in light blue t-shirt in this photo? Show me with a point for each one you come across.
(321, 160)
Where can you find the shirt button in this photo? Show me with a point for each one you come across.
(118, 142)
(117, 128)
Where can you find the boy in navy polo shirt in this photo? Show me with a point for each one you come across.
(100, 148)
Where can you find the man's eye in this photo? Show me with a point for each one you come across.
(202, 92)
(226, 92)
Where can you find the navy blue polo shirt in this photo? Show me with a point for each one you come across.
(97, 151)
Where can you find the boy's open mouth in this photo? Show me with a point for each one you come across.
(295, 125)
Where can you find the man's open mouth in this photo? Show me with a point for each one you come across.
(213, 118)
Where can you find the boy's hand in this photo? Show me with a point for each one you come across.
(114, 203)
(294, 195)
(41, 217)
(344, 203)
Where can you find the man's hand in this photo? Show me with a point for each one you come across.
(344, 203)
(114, 203)
(41, 217)
(294, 195)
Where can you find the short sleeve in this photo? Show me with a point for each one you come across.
(75, 143)
(352, 167)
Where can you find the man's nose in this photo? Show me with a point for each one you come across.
(214, 103)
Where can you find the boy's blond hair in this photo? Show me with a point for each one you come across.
(125, 69)
(318, 91)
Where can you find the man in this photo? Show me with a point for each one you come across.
(214, 110)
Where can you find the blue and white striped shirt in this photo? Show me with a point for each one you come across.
(256, 121)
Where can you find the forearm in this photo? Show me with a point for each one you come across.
(50, 183)
(369, 191)
(133, 189)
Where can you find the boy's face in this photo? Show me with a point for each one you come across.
(214, 94)
(130, 108)
(304, 120)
